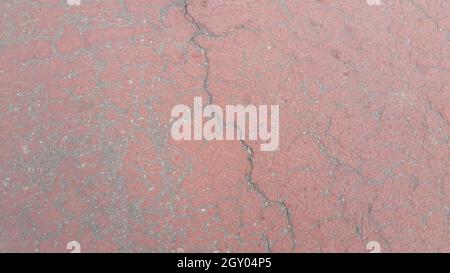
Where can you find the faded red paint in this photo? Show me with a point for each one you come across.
(86, 152)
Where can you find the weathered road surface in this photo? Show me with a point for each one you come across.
(86, 153)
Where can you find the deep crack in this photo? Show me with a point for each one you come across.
(201, 31)
(267, 201)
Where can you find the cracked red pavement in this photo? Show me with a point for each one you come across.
(86, 153)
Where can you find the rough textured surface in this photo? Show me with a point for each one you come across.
(85, 146)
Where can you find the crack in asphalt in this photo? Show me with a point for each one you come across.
(201, 31)
(265, 198)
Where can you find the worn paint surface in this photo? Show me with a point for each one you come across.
(86, 154)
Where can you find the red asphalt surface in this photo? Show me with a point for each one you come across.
(86, 153)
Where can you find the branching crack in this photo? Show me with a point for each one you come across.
(267, 201)
(200, 31)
